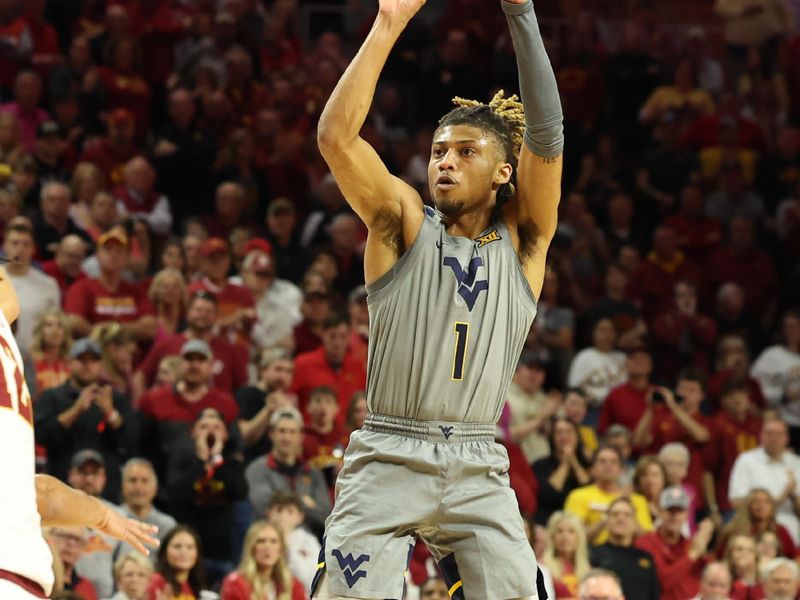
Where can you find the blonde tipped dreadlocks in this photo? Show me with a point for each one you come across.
(504, 118)
(509, 109)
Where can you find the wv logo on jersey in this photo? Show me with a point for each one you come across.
(350, 566)
(446, 431)
(490, 237)
(468, 288)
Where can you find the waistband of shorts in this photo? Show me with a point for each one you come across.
(26, 584)
(452, 432)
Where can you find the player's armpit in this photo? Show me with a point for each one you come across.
(534, 212)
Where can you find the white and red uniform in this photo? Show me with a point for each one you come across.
(25, 558)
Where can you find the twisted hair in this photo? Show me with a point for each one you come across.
(505, 118)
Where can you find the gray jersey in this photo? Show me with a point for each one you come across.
(447, 325)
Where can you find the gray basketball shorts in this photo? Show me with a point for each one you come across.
(444, 483)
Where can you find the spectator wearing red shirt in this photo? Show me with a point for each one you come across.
(168, 413)
(17, 41)
(626, 403)
(137, 197)
(653, 280)
(111, 153)
(733, 431)
(123, 85)
(325, 438)
(316, 307)
(65, 267)
(333, 365)
(679, 561)
(743, 262)
(698, 235)
(683, 336)
(236, 306)
(108, 297)
(46, 51)
(733, 362)
(230, 204)
(229, 366)
(679, 420)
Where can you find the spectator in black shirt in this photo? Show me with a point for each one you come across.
(563, 471)
(634, 567)
(205, 479)
(258, 402)
(82, 413)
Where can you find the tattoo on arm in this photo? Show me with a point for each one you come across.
(389, 226)
(548, 161)
(528, 236)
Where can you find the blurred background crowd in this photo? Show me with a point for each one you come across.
(195, 324)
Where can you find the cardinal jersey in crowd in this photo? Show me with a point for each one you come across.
(90, 299)
(447, 325)
(23, 550)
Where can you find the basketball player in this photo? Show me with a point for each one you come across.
(452, 295)
(28, 502)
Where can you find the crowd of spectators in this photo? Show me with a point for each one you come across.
(194, 316)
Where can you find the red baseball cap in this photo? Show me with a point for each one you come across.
(213, 245)
(259, 244)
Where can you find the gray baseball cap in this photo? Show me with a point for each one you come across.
(84, 346)
(674, 497)
(196, 347)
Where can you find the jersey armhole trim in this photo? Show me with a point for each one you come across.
(383, 286)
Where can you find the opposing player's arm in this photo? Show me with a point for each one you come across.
(533, 214)
(381, 200)
(62, 506)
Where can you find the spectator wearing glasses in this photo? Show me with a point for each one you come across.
(69, 543)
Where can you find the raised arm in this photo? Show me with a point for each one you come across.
(534, 211)
(391, 209)
(61, 505)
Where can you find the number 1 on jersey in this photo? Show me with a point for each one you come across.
(461, 330)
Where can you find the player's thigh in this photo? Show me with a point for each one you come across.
(11, 591)
(322, 591)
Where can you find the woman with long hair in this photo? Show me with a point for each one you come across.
(263, 572)
(567, 554)
(565, 469)
(169, 297)
(754, 517)
(179, 567)
(650, 479)
(743, 564)
(50, 350)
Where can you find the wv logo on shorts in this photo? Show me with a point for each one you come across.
(446, 431)
(468, 288)
(350, 566)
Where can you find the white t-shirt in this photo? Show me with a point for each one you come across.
(755, 469)
(597, 372)
(37, 293)
(303, 556)
(22, 548)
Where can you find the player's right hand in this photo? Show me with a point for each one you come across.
(137, 534)
(401, 8)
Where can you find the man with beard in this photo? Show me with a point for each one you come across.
(229, 366)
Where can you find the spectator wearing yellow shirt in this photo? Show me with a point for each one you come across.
(590, 503)
(683, 97)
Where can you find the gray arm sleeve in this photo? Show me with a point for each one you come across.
(544, 132)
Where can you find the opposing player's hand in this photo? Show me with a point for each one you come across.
(137, 534)
(401, 8)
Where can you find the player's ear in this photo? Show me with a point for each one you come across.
(503, 173)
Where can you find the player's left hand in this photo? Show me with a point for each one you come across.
(137, 534)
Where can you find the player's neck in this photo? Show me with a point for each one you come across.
(469, 225)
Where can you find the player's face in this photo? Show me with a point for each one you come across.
(139, 486)
(435, 589)
(268, 548)
(465, 168)
(182, 552)
(133, 579)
